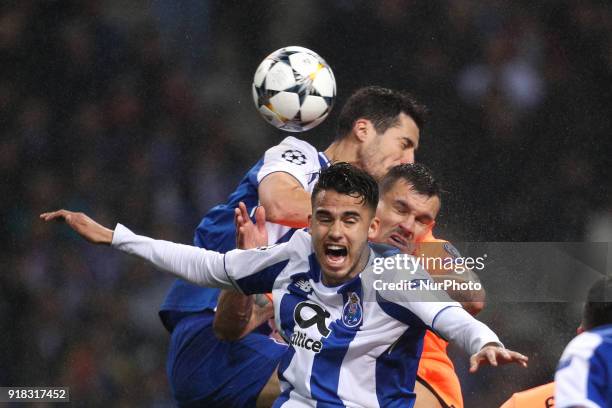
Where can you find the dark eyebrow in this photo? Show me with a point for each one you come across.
(322, 211)
(351, 214)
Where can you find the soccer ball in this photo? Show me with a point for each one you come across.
(294, 89)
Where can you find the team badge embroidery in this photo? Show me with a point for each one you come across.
(294, 156)
(352, 312)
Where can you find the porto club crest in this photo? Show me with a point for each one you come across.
(352, 312)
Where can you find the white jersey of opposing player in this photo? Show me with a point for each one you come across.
(298, 159)
(350, 344)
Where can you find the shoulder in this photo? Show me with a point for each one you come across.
(431, 246)
(293, 156)
(401, 279)
(299, 143)
(299, 245)
(293, 149)
(582, 346)
(604, 331)
(301, 238)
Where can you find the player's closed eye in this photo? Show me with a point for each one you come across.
(401, 208)
(424, 220)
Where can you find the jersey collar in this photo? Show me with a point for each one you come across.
(323, 160)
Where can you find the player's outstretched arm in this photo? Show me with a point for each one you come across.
(196, 265)
(83, 225)
(495, 355)
(475, 337)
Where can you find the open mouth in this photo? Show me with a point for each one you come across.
(399, 240)
(335, 254)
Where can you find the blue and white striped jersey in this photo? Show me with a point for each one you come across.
(584, 375)
(217, 232)
(350, 345)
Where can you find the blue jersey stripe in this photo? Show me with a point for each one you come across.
(263, 281)
(400, 313)
(325, 373)
(287, 236)
(599, 377)
(596, 378)
(396, 370)
(323, 161)
(314, 270)
(284, 397)
(327, 363)
(287, 305)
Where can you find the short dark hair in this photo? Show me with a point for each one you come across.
(417, 175)
(598, 307)
(381, 106)
(350, 180)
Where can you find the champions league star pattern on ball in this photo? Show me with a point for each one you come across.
(294, 89)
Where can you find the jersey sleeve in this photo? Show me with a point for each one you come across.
(250, 271)
(461, 328)
(580, 379)
(196, 265)
(292, 156)
(437, 311)
(256, 270)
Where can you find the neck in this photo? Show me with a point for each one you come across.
(344, 150)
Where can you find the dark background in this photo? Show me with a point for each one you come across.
(141, 112)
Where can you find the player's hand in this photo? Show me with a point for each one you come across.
(493, 354)
(83, 225)
(249, 235)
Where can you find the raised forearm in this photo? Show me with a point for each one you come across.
(233, 315)
(237, 315)
(292, 209)
(285, 200)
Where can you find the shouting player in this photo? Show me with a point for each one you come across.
(409, 204)
(340, 328)
(377, 129)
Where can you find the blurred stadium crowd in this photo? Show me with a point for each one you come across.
(141, 113)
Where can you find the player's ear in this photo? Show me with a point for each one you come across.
(362, 129)
(374, 227)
